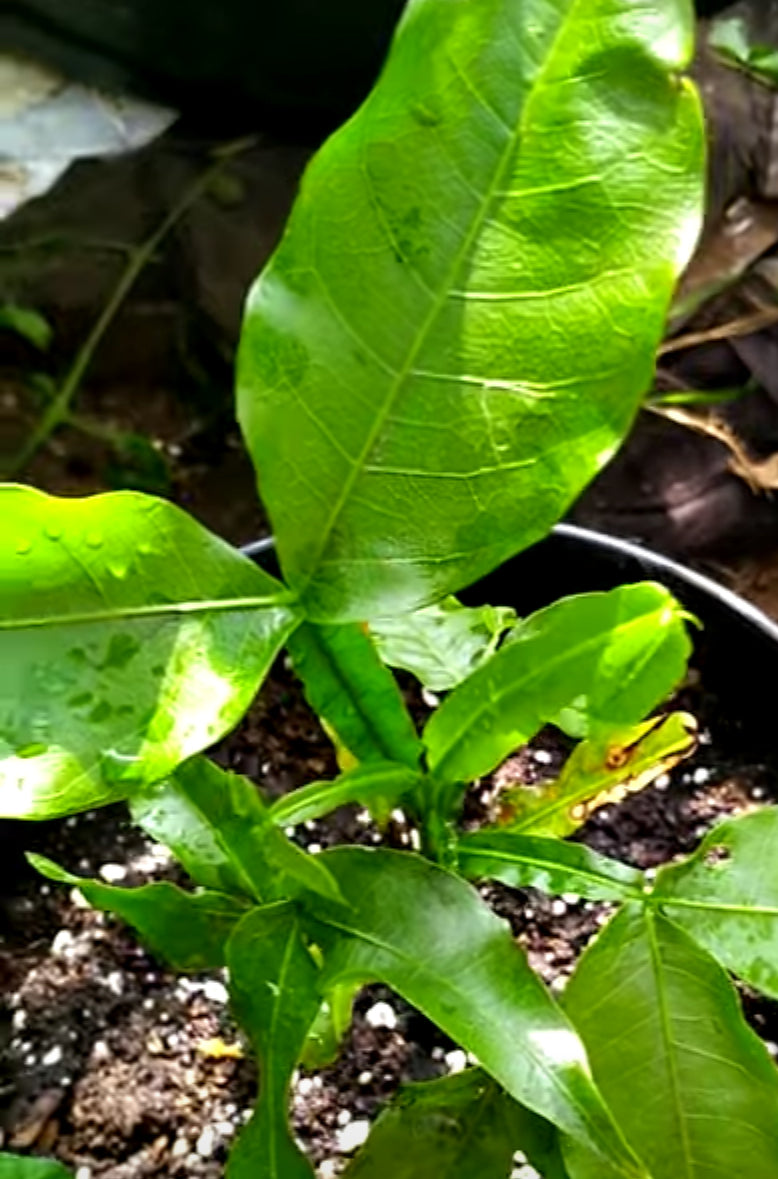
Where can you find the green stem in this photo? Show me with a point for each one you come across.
(57, 411)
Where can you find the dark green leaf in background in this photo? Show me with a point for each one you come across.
(217, 825)
(130, 638)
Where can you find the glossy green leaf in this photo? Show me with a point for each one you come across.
(600, 771)
(217, 825)
(691, 1085)
(726, 896)
(213, 823)
(428, 935)
(442, 644)
(384, 781)
(614, 656)
(462, 317)
(188, 930)
(275, 996)
(16, 1166)
(130, 638)
(348, 686)
(548, 864)
(457, 1127)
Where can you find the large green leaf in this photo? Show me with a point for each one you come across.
(217, 825)
(427, 934)
(15, 1166)
(188, 930)
(726, 896)
(549, 864)
(614, 656)
(691, 1085)
(383, 781)
(457, 1127)
(599, 771)
(442, 644)
(130, 638)
(348, 686)
(460, 322)
(273, 986)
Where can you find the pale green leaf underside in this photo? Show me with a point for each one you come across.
(130, 638)
(726, 896)
(442, 644)
(691, 1085)
(461, 319)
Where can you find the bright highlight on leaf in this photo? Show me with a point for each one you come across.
(130, 638)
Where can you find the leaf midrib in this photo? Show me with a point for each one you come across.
(474, 850)
(514, 137)
(663, 1012)
(153, 610)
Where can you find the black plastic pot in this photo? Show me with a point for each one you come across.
(299, 64)
(736, 645)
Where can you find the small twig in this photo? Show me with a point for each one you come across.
(57, 411)
(745, 325)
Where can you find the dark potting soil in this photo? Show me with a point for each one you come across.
(124, 1071)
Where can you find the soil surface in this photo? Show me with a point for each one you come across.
(125, 1071)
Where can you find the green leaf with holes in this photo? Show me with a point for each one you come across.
(462, 317)
(690, 1084)
(189, 930)
(600, 771)
(442, 644)
(130, 638)
(726, 896)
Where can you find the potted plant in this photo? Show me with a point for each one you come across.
(451, 339)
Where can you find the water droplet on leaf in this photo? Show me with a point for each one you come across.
(94, 539)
